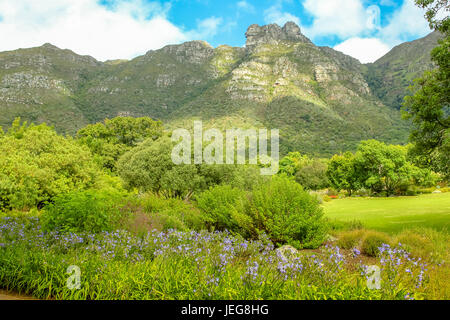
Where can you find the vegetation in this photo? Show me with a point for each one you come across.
(383, 169)
(191, 265)
(287, 214)
(428, 108)
(225, 220)
(37, 164)
(82, 211)
(111, 139)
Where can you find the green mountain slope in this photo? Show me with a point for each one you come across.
(39, 85)
(390, 76)
(319, 98)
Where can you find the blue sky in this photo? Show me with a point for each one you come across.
(111, 29)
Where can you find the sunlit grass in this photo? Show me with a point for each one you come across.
(393, 214)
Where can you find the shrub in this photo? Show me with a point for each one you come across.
(37, 164)
(372, 241)
(350, 239)
(224, 208)
(166, 213)
(80, 211)
(287, 214)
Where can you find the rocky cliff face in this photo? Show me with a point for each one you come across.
(273, 34)
(319, 98)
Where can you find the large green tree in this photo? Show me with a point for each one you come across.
(429, 106)
(382, 167)
(342, 173)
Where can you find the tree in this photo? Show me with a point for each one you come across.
(309, 172)
(434, 8)
(149, 167)
(313, 176)
(342, 173)
(37, 164)
(382, 167)
(291, 163)
(113, 138)
(429, 106)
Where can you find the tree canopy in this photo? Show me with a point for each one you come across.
(114, 137)
(429, 106)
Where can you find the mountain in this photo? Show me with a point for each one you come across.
(390, 76)
(322, 101)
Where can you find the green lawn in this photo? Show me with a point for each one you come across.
(393, 214)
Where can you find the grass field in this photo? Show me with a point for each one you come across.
(392, 215)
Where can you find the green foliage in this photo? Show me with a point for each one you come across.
(428, 108)
(225, 208)
(372, 241)
(113, 138)
(83, 211)
(291, 163)
(287, 214)
(342, 173)
(149, 167)
(313, 176)
(166, 213)
(144, 166)
(309, 172)
(37, 164)
(383, 167)
(434, 10)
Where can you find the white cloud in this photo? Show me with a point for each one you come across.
(344, 18)
(123, 31)
(406, 22)
(245, 6)
(275, 15)
(206, 28)
(364, 49)
(366, 40)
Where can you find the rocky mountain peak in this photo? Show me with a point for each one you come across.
(49, 46)
(196, 52)
(273, 33)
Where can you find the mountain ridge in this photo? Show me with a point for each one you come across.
(320, 98)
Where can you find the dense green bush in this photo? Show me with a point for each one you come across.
(80, 211)
(166, 213)
(372, 241)
(313, 176)
(287, 214)
(224, 208)
(37, 164)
